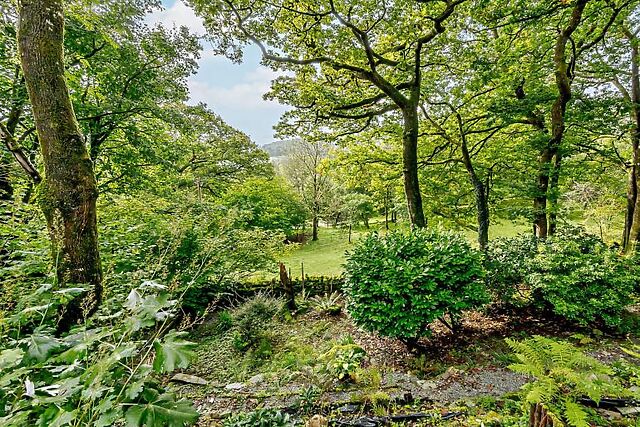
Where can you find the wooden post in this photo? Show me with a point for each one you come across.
(302, 269)
(349, 233)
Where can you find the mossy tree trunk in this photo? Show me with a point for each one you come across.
(69, 191)
(549, 160)
(410, 166)
(632, 218)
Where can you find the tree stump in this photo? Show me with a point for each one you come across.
(538, 417)
(285, 281)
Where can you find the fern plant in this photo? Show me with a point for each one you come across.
(563, 375)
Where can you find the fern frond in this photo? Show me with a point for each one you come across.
(575, 414)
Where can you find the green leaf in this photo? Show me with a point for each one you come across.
(10, 358)
(40, 346)
(575, 414)
(172, 353)
(163, 411)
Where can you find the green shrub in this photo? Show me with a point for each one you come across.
(563, 375)
(260, 418)
(581, 279)
(252, 321)
(344, 359)
(328, 303)
(507, 264)
(398, 284)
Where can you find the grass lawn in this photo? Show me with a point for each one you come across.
(326, 256)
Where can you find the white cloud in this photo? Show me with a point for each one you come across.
(179, 14)
(244, 95)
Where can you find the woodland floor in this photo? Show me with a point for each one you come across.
(463, 377)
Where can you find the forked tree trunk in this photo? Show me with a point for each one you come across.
(546, 166)
(69, 191)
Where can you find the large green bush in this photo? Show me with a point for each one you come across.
(507, 263)
(400, 283)
(582, 279)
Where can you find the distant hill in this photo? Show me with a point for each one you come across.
(278, 149)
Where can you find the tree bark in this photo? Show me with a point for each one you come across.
(410, 167)
(17, 105)
(632, 225)
(563, 77)
(554, 193)
(480, 192)
(287, 286)
(69, 190)
(314, 231)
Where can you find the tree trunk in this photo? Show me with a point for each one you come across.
(68, 192)
(554, 193)
(632, 195)
(314, 231)
(563, 77)
(386, 208)
(6, 189)
(538, 417)
(480, 192)
(632, 223)
(540, 200)
(410, 167)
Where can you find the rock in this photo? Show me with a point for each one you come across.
(451, 373)
(628, 410)
(189, 379)
(256, 379)
(611, 415)
(317, 421)
(429, 385)
(349, 409)
(234, 386)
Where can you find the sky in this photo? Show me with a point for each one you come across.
(234, 91)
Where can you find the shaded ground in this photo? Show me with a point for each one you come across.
(452, 372)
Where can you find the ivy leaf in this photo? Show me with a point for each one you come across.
(173, 353)
(162, 411)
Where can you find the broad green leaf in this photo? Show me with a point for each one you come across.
(10, 358)
(173, 352)
(164, 411)
(40, 346)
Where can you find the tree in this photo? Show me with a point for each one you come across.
(354, 61)
(268, 204)
(582, 26)
(69, 190)
(303, 170)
